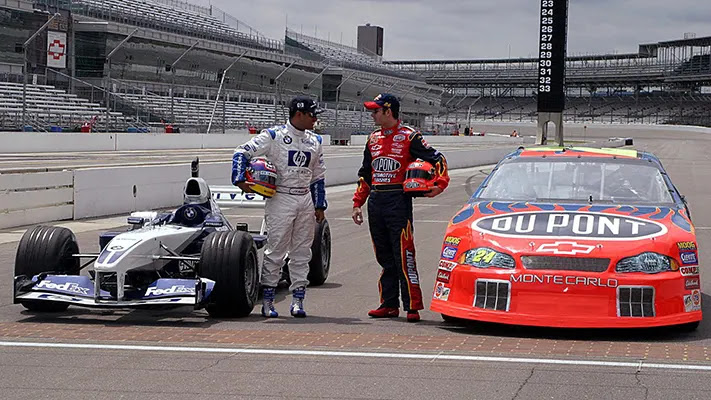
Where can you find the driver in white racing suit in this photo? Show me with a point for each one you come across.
(300, 189)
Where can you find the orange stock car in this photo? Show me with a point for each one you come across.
(572, 237)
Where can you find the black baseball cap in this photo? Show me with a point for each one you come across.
(304, 104)
(383, 100)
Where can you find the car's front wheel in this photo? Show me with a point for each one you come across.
(46, 249)
(230, 259)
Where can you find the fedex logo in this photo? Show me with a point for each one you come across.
(64, 287)
(175, 289)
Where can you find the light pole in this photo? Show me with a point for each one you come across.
(308, 85)
(24, 65)
(277, 92)
(219, 90)
(108, 75)
(172, 80)
(362, 92)
(338, 95)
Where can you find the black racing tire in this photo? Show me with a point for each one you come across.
(320, 262)
(47, 249)
(451, 320)
(230, 259)
(688, 327)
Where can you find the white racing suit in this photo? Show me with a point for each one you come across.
(300, 188)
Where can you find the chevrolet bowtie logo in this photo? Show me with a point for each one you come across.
(567, 248)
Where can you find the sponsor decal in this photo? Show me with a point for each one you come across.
(569, 225)
(692, 283)
(686, 245)
(376, 153)
(398, 138)
(189, 213)
(449, 252)
(696, 298)
(689, 271)
(443, 276)
(439, 288)
(424, 143)
(565, 248)
(398, 145)
(688, 258)
(298, 158)
(445, 265)
(570, 280)
(445, 294)
(374, 139)
(69, 287)
(376, 147)
(288, 139)
(452, 241)
(396, 151)
(116, 248)
(175, 289)
(412, 185)
(247, 147)
(411, 268)
(385, 164)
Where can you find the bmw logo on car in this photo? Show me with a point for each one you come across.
(572, 225)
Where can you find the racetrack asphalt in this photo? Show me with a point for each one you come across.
(338, 352)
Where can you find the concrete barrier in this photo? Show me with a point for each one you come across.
(33, 142)
(30, 198)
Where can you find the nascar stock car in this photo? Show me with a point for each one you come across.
(190, 257)
(572, 237)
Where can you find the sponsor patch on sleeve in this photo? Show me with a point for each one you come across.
(449, 252)
(686, 246)
(452, 241)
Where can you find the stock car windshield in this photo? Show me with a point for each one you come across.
(578, 180)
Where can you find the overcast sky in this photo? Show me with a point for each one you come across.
(476, 29)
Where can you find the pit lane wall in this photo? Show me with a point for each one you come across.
(34, 142)
(28, 198)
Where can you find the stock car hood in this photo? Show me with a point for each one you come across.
(609, 231)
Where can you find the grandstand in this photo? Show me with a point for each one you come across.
(664, 82)
(178, 57)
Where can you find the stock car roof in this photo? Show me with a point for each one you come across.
(557, 151)
(570, 151)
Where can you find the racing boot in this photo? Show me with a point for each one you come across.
(413, 316)
(268, 302)
(297, 303)
(384, 312)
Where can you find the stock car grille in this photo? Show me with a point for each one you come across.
(635, 301)
(566, 263)
(492, 295)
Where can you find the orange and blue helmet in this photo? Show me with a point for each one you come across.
(419, 178)
(262, 176)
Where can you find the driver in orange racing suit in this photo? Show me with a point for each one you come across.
(387, 154)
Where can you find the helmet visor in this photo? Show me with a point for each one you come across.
(418, 173)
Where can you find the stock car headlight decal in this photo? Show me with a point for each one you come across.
(651, 263)
(484, 257)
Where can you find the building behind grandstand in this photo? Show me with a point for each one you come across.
(142, 86)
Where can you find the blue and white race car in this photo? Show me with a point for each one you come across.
(190, 257)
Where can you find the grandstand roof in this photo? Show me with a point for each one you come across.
(623, 56)
(702, 41)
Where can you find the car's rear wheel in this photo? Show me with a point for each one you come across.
(230, 259)
(47, 249)
(320, 262)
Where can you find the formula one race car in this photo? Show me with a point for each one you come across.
(572, 237)
(192, 256)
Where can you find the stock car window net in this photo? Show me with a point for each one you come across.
(578, 180)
